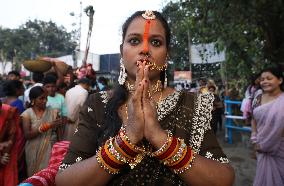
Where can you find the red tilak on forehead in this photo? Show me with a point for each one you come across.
(146, 36)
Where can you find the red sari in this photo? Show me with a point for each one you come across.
(9, 127)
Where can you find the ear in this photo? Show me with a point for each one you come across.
(281, 80)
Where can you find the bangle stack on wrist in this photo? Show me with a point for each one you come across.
(44, 127)
(119, 151)
(175, 154)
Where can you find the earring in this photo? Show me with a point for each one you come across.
(122, 73)
(166, 79)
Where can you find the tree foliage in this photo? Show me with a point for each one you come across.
(35, 38)
(251, 32)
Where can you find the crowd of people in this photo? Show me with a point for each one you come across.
(37, 113)
(141, 132)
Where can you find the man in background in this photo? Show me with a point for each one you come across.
(75, 98)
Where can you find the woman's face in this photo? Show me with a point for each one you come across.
(269, 82)
(135, 41)
(41, 101)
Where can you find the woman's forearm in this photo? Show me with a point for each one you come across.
(209, 172)
(87, 172)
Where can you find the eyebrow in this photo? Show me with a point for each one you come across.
(141, 35)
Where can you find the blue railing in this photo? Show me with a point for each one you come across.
(229, 120)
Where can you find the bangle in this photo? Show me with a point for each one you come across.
(44, 127)
(175, 154)
(103, 164)
(165, 146)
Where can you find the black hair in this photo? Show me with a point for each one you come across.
(85, 81)
(193, 85)
(49, 79)
(119, 93)
(277, 72)
(10, 87)
(35, 92)
(103, 80)
(16, 73)
(37, 77)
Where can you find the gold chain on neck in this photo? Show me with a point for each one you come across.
(154, 88)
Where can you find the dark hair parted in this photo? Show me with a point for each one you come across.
(277, 72)
(35, 92)
(119, 94)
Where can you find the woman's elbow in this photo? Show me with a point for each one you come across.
(229, 173)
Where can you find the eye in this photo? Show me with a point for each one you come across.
(156, 42)
(134, 41)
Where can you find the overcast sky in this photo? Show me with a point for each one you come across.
(108, 18)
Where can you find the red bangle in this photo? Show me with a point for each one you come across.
(184, 161)
(169, 150)
(109, 161)
(124, 147)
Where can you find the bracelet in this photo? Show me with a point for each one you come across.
(175, 154)
(44, 127)
(103, 164)
(165, 146)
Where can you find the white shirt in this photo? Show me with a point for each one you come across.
(74, 99)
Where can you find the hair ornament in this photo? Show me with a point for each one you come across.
(149, 15)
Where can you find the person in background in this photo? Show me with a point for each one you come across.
(55, 101)
(62, 88)
(246, 106)
(9, 129)
(141, 132)
(80, 92)
(14, 75)
(218, 110)
(268, 129)
(37, 78)
(13, 89)
(103, 84)
(193, 87)
(39, 123)
(202, 88)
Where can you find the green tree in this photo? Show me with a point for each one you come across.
(35, 38)
(251, 32)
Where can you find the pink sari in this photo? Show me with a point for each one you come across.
(9, 127)
(270, 129)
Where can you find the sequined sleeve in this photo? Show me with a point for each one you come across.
(84, 142)
(203, 140)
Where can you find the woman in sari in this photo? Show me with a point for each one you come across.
(9, 127)
(39, 122)
(268, 129)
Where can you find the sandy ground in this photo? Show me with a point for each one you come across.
(239, 154)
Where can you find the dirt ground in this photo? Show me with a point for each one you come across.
(239, 154)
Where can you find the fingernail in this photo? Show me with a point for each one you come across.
(139, 84)
(146, 80)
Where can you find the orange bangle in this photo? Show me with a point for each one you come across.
(174, 152)
(117, 147)
(110, 155)
(104, 165)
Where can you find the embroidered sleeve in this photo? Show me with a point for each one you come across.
(84, 142)
(203, 140)
(201, 119)
(211, 148)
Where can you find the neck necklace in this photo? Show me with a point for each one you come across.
(157, 87)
